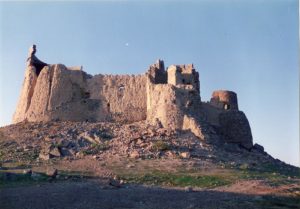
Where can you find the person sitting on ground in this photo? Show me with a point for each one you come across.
(32, 60)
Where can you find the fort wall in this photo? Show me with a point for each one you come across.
(123, 97)
(26, 95)
(59, 93)
(163, 106)
(170, 96)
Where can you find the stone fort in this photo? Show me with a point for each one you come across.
(168, 97)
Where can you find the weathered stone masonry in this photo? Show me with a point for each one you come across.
(169, 96)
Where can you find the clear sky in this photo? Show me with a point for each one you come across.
(250, 47)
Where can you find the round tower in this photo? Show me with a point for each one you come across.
(226, 100)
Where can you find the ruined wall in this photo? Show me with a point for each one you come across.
(59, 93)
(222, 112)
(162, 105)
(123, 96)
(157, 74)
(191, 124)
(26, 95)
(235, 128)
(170, 96)
(210, 113)
(170, 104)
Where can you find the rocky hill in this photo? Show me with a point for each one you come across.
(111, 159)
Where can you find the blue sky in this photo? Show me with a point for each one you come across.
(250, 47)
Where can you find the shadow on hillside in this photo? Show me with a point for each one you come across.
(92, 194)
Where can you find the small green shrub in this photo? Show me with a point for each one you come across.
(180, 180)
(160, 146)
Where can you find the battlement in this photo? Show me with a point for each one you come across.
(183, 75)
(176, 75)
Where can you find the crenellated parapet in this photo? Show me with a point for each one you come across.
(184, 75)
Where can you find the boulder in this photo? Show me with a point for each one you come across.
(94, 139)
(185, 155)
(134, 154)
(51, 172)
(44, 156)
(55, 152)
(115, 183)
